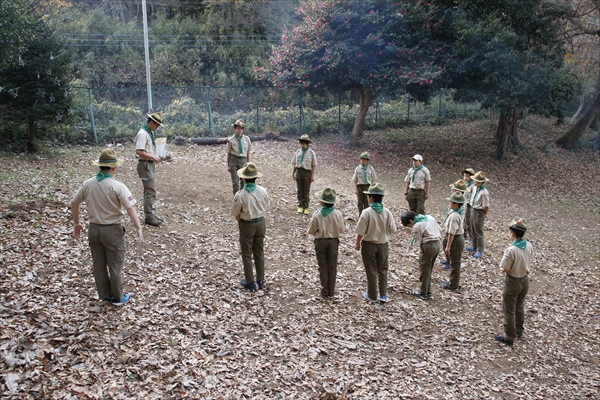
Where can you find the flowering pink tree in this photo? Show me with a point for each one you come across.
(363, 45)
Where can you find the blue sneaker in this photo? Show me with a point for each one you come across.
(478, 254)
(447, 266)
(444, 262)
(366, 294)
(383, 299)
(470, 248)
(250, 286)
(261, 285)
(123, 300)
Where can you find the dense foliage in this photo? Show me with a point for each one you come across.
(16, 29)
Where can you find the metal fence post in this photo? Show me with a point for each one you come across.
(257, 111)
(92, 116)
(440, 108)
(302, 124)
(408, 113)
(211, 125)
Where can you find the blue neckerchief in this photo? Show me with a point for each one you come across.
(365, 174)
(303, 153)
(377, 207)
(521, 243)
(145, 127)
(102, 176)
(250, 187)
(421, 218)
(415, 171)
(240, 145)
(325, 211)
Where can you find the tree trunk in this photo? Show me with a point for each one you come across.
(493, 115)
(507, 128)
(570, 139)
(31, 147)
(581, 104)
(365, 98)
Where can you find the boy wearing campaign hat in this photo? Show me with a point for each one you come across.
(249, 208)
(454, 241)
(327, 225)
(417, 181)
(373, 231)
(467, 177)
(428, 234)
(106, 198)
(363, 176)
(458, 186)
(238, 153)
(145, 149)
(303, 172)
(480, 206)
(516, 264)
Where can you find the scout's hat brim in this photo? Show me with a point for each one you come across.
(319, 196)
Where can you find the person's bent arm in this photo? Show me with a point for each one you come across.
(144, 155)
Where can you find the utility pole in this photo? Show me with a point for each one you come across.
(147, 54)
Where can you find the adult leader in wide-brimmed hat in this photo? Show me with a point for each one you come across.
(238, 150)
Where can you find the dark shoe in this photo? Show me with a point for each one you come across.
(250, 286)
(152, 221)
(447, 266)
(444, 262)
(160, 219)
(122, 301)
(417, 292)
(261, 285)
(502, 339)
(520, 335)
(446, 285)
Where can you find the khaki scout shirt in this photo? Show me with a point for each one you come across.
(143, 141)
(359, 177)
(326, 227)
(421, 176)
(455, 223)
(480, 199)
(233, 146)
(106, 200)
(469, 192)
(517, 261)
(310, 159)
(375, 227)
(249, 206)
(427, 231)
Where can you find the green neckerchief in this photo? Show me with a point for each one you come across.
(102, 176)
(421, 218)
(477, 189)
(325, 211)
(470, 182)
(415, 171)
(450, 211)
(377, 207)
(250, 187)
(365, 175)
(521, 243)
(145, 127)
(303, 154)
(240, 140)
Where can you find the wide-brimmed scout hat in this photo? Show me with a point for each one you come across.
(418, 157)
(327, 196)
(305, 138)
(249, 171)
(108, 158)
(469, 171)
(366, 155)
(156, 117)
(519, 224)
(375, 188)
(240, 123)
(457, 197)
(480, 177)
(459, 185)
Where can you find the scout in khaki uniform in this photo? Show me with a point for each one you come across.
(374, 228)
(303, 172)
(454, 241)
(238, 153)
(458, 186)
(106, 198)
(467, 177)
(364, 175)
(249, 208)
(428, 235)
(417, 181)
(516, 264)
(480, 205)
(145, 149)
(327, 224)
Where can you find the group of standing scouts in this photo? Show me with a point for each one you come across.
(106, 199)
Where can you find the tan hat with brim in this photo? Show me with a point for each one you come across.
(327, 196)
(108, 158)
(249, 171)
(156, 117)
(305, 138)
(366, 155)
(376, 189)
(459, 185)
(240, 123)
(457, 197)
(519, 224)
(469, 171)
(480, 177)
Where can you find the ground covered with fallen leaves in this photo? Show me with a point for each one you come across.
(191, 331)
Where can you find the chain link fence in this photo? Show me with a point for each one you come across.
(103, 114)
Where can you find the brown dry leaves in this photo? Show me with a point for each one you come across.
(191, 331)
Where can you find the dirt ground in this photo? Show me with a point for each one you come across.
(191, 331)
